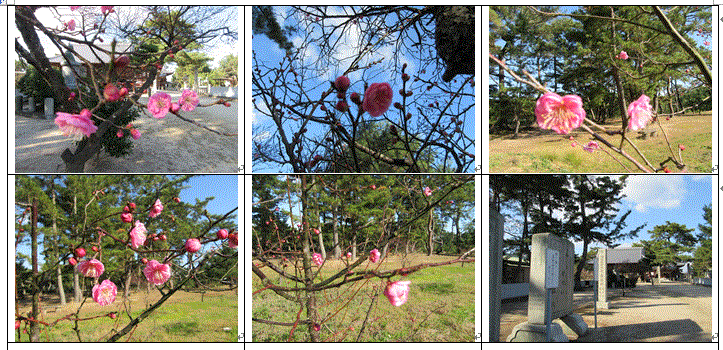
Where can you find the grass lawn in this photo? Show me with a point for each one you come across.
(440, 307)
(182, 318)
(542, 151)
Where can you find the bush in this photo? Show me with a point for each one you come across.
(113, 145)
(33, 85)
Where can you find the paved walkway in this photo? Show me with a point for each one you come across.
(669, 312)
(167, 145)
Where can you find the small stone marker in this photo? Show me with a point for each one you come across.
(561, 254)
(49, 107)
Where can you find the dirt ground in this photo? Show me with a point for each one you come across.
(168, 145)
(667, 312)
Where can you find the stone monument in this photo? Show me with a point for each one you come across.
(560, 303)
(602, 279)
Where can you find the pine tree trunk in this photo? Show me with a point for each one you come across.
(353, 247)
(310, 296)
(34, 326)
(430, 233)
(335, 228)
(321, 245)
(77, 292)
(59, 271)
(127, 287)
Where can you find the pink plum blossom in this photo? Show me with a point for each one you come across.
(427, 191)
(192, 245)
(70, 24)
(561, 114)
(622, 55)
(222, 233)
(348, 255)
(317, 259)
(73, 8)
(111, 93)
(156, 209)
(104, 293)
(233, 240)
(591, 146)
(119, 133)
(76, 124)
(156, 272)
(342, 106)
(377, 99)
(122, 61)
(79, 252)
(397, 292)
(106, 9)
(342, 83)
(138, 234)
(374, 255)
(135, 134)
(72, 261)
(91, 268)
(159, 104)
(127, 217)
(188, 100)
(640, 113)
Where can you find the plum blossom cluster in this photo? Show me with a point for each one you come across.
(104, 293)
(161, 103)
(376, 101)
(565, 113)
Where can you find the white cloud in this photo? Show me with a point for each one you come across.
(654, 191)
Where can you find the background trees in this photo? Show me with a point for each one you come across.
(573, 50)
(431, 126)
(312, 237)
(83, 212)
(352, 211)
(153, 33)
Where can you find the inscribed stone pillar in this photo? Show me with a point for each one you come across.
(497, 223)
(602, 279)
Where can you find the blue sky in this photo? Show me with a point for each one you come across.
(699, 39)
(224, 189)
(654, 199)
(317, 80)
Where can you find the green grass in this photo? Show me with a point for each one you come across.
(183, 318)
(543, 152)
(440, 307)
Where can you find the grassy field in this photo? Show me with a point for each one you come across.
(440, 307)
(182, 318)
(542, 151)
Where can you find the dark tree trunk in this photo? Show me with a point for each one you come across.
(59, 272)
(34, 326)
(310, 296)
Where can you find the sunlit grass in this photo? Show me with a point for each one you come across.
(440, 306)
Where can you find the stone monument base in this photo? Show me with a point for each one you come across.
(576, 323)
(603, 305)
(531, 332)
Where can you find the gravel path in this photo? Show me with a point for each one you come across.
(667, 312)
(168, 145)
